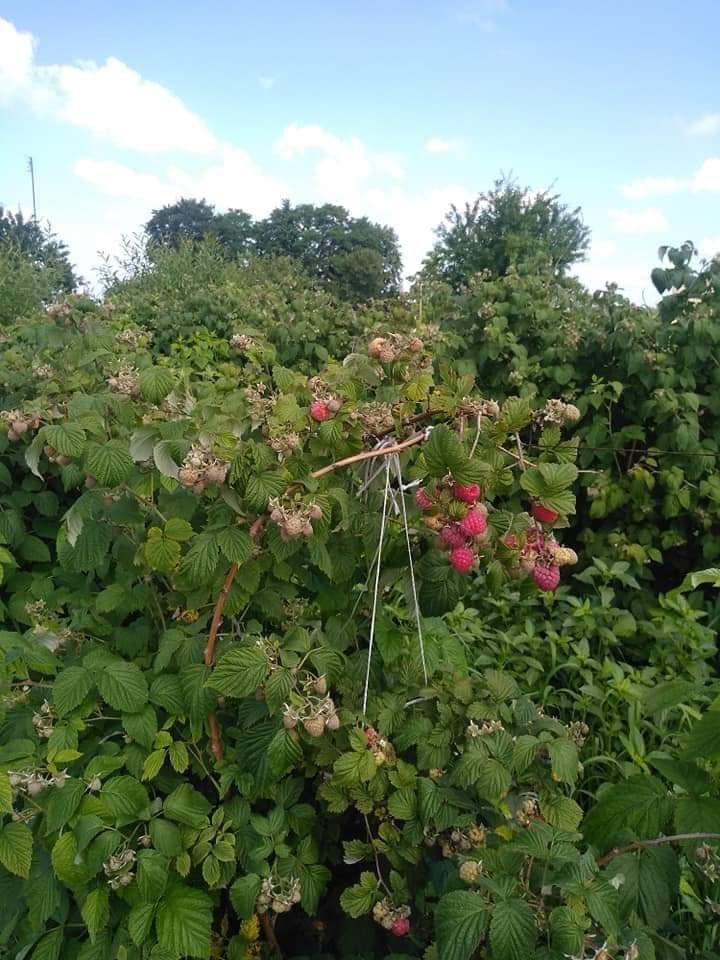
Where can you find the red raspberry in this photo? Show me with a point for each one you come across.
(423, 500)
(546, 577)
(451, 537)
(371, 734)
(319, 411)
(462, 559)
(400, 927)
(473, 523)
(469, 493)
(510, 541)
(544, 514)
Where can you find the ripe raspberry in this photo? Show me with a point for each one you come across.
(400, 927)
(450, 537)
(423, 500)
(473, 523)
(469, 493)
(462, 559)
(544, 514)
(546, 577)
(319, 411)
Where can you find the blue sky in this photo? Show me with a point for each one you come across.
(394, 108)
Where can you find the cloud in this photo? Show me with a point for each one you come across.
(482, 14)
(110, 100)
(649, 220)
(710, 247)
(438, 145)
(706, 179)
(705, 125)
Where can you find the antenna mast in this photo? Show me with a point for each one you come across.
(31, 169)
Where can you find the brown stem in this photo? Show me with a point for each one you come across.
(369, 455)
(269, 932)
(216, 746)
(641, 844)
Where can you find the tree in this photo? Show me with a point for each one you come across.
(355, 257)
(45, 252)
(507, 226)
(187, 219)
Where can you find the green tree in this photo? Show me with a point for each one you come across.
(188, 219)
(45, 252)
(507, 226)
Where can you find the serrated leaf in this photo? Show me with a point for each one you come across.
(243, 894)
(261, 486)
(162, 554)
(179, 758)
(123, 686)
(235, 544)
(6, 798)
(639, 805)
(567, 933)
(162, 455)
(49, 947)
(96, 911)
(493, 781)
(152, 874)
(166, 837)
(142, 442)
(277, 689)
(403, 804)
(142, 726)
(239, 672)
(561, 812)
(460, 922)
(140, 920)
(153, 763)
(443, 452)
(360, 898)
(564, 760)
(187, 806)
(16, 843)
(200, 562)
(178, 529)
(155, 383)
(63, 804)
(704, 738)
(110, 463)
(67, 438)
(284, 753)
(124, 797)
(71, 687)
(183, 922)
(512, 930)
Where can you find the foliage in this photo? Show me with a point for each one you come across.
(509, 226)
(47, 254)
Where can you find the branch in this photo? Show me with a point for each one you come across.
(369, 455)
(642, 844)
(269, 932)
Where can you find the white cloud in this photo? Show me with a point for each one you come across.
(706, 179)
(710, 247)
(439, 145)
(705, 125)
(649, 220)
(111, 100)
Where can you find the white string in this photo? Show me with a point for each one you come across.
(396, 458)
(377, 586)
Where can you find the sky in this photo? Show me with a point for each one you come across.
(394, 108)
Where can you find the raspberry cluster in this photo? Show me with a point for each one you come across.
(392, 918)
(381, 749)
(455, 511)
(133, 338)
(240, 342)
(54, 457)
(125, 381)
(557, 411)
(314, 709)
(396, 346)
(539, 555)
(44, 720)
(201, 469)
(18, 423)
(43, 371)
(32, 783)
(295, 519)
(120, 869)
(279, 894)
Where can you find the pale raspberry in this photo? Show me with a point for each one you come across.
(319, 411)
(462, 559)
(371, 734)
(510, 541)
(565, 557)
(544, 514)
(400, 927)
(473, 523)
(468, 493)
(423, 500)
(451, 537)
(546, 577)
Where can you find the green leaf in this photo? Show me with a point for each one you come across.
(70, 688)
(42, 893)
(110, 598)
(140, 920)
(178, 529)
(125, 798)
(63, 804)
(235, 544)
(360, 898)
(187, 806)
(200, 562)
(166, 837)
(649, 880)
(123, 686)
(16, 842)
(6, 798)
(92, 545)
(162, 554)
(49, 947)
(243, 894)
(512, 930)
(561, 812)
(284, 753)
(162, 455)
(152, 874)
(639, 805)
(687, 775)
(96, 911)
(460, 922)
(183, 922)
(152, 765)
(443, 452)
(314, 879)
(567, 933)
(239, 672)
(68, 865)
(155, 383)
(211, 870)
(704, 738)
(403, 804)
(142, 726)
(34, 550)
(66, 438)
(110, 463)
(353, 768)
(493, 781)
(564, 761)
(142, 442)
(179, 759)
(662, 696)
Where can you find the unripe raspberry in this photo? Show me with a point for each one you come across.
(423, 500)
(468, 493)
(376, 346)
(544, 514)
(314, 726)
(462, 559)
(546, 577)
(571, 414)
(387, 355)
(371, 734)
(19, 426)
(473, 524)
(451, 537)
(334, 404)
(470, 871)
(333, 722)
(434, 523)
(320, 686)
(380, 757)
(315, 511)
(400, 927)
(565, 557)
(510, 541)
(319, 411)
(289, 721)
